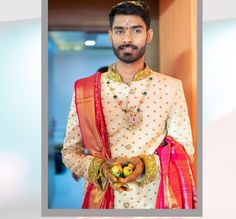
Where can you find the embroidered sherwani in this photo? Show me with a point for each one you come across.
(164, 113)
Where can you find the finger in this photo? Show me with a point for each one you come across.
(139, 165)
(106, 171)
(117, 186)
(122, 160)
(137, 172)
(131, 178)
(111, 178)
(120, 190)
(135, 160)
(122, 180)
(127, 189)
(110, 163)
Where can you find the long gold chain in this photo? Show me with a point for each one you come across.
(133, 115)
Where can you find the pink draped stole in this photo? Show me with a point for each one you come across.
(177, 186)
(94, 135)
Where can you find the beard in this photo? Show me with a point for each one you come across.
(129, 56)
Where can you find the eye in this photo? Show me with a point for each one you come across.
(119, 32)
(137, 30)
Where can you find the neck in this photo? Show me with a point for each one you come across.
(127, 71)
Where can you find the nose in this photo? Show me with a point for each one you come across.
(128, 37)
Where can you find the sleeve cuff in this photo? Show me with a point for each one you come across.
(151, 169)
(94, 173)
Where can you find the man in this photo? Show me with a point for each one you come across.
(122, 116)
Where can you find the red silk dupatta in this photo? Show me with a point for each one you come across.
(94, 135)
(177, 186)
(176, 189)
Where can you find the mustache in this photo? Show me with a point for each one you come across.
(127, 45)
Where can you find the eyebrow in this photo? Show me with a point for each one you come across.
(122, 27)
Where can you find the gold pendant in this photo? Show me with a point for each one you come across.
(133, 118)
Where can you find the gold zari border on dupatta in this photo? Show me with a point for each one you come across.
(85, 107)
(170, 201)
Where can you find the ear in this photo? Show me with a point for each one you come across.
(110, 35)
(149, 35)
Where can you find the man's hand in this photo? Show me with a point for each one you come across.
(137, 170)
(109, 163)
(121, 183)
(105, 168)
(115, 182)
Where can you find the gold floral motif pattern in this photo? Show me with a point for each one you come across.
(150, 169)
(142, 74)
(138, 76)
(101, 179)
(94, 170)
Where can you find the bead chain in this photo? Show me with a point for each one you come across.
(120, 102)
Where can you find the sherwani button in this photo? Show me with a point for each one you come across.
(132, 91)
(128, 146)
(126, 204)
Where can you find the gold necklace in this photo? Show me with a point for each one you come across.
(133, 116)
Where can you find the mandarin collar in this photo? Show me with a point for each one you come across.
(114, 76)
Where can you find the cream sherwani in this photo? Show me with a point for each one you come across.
(164, 112)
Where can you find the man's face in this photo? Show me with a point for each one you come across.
(129, 37)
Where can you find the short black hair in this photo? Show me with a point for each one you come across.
(139, 8)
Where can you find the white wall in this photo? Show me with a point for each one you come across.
(12, 10)
(218, 9)
(219, 69)
(20, 107)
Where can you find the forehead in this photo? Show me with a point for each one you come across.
(131, 20)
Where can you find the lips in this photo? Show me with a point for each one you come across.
(128, 47)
